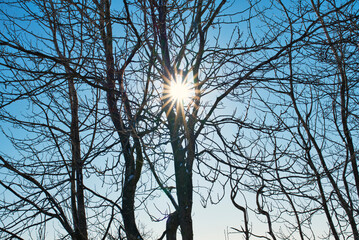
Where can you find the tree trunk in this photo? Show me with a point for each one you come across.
(78, 200)
(172, 226)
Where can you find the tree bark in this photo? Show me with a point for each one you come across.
(172, 226)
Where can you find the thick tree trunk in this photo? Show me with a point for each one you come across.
(129, 192)
(172, 226)
(184, 193)
(183, 168)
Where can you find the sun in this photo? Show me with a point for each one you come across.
(180, 90)
(178, 94)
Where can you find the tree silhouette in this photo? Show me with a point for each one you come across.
(98, 135)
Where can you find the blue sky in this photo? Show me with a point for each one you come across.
(214, 220)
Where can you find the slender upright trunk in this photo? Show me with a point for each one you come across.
(77, 187)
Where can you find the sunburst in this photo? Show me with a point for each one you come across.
(178, 93)
(180, 90)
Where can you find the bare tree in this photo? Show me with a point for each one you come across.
(302, 159)
(41, 77)
(271, 90)
(45, 182)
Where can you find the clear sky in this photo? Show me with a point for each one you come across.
(214, 221)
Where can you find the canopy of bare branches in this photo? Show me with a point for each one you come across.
(114, 114)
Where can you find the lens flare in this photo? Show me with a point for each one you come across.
(180, 90)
